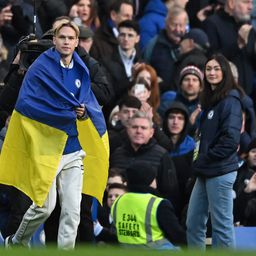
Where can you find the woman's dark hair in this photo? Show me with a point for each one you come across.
(93, 19)
(210, 97)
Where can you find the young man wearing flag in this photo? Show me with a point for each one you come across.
(45, 144)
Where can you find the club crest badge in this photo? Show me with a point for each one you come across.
(210, 114)
(78, 83)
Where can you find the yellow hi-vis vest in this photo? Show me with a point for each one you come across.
(134, 216)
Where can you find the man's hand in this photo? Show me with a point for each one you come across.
(243, 35)
(73, 11)
(135, 67)
(204, 12)
(251, 186)
(186, 45)
(195, 114)
(80, 111)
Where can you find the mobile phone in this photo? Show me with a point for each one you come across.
(139, 88)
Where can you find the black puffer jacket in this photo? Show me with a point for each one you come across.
(159, 158)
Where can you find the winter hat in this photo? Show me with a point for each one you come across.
(252, 145)
(192, 70)
(199, 37)
(140, 174)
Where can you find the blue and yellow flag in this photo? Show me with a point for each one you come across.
(43, 118)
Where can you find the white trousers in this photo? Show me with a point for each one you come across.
(68, 182)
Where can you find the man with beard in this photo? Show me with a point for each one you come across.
(191, 84)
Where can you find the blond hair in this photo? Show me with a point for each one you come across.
(66, 23)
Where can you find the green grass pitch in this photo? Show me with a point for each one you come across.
(117, 251)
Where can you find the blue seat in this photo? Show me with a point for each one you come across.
(245, 238)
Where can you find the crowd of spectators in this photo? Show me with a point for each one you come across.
(147, 62)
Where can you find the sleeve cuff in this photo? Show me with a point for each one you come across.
(97, 228)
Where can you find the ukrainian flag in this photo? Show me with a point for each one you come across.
(43, 118)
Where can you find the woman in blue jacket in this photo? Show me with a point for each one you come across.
(217, 161)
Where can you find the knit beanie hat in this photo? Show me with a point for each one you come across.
(192, 70)
(140, 174)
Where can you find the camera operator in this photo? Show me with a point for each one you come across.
(27, 50)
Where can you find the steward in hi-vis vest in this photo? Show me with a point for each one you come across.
(143, 219)
(137, 224)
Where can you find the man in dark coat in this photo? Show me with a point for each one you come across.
(165, 50)
(119, 64)
(142, 147)
(105, 38)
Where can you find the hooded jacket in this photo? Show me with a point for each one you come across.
(182, 152)
(185, 143)
(152, 21)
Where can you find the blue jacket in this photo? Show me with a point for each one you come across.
(152, 21)
(186, 146)
(220, 136)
